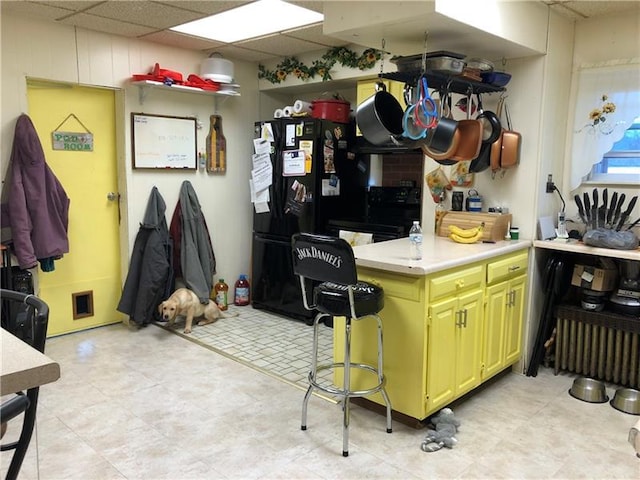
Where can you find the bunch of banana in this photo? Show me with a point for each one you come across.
(468, 235)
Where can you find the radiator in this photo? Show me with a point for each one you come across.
(599, 345)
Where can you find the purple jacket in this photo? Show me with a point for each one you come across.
(37, 208)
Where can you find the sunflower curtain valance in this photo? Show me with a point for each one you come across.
(607, 102)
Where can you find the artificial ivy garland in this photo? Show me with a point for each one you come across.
(321, 67)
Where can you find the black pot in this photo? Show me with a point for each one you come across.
(491, 126)
(483, 160)
(379, 118)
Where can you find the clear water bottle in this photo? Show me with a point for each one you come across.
(415, 241)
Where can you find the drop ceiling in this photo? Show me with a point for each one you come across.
(151, 20)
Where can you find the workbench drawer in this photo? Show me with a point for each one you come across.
(456, 281)
(513, 265)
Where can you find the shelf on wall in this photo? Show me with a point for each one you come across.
(143, 86)
(440, 80)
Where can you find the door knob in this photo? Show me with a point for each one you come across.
(111, 196)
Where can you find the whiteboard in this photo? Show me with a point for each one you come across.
(161, 141)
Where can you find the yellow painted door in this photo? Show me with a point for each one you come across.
(494, 329)
(513, 322)
(84, 289)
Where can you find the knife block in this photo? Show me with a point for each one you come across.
(496, 225)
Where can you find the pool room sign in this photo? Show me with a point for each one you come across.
(72, 141)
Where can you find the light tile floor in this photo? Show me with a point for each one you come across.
(146, 404)
(250, 336)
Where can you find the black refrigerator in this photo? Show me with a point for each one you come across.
(316, 178)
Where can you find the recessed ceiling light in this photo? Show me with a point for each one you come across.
(249, 21)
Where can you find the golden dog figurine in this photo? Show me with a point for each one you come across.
(184, 303)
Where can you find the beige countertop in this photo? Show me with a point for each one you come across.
(438, 253)
(23, 366)
(575, 246)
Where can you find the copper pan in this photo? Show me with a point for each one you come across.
(470, 140)
(444, 157)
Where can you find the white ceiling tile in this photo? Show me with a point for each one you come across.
(246, 54)
(204, 6)
(175, 39)
(150, 14)
(100, 24)
(71, 4)
(285, 46)
(314, 34)
(33, 9)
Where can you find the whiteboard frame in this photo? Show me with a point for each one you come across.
(177, 153)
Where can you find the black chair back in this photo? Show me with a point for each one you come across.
(323, 258)
(29, 325)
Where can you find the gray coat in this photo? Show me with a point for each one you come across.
(191, 240)
(150, 276)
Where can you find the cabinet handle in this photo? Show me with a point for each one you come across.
(513, 268)
(512, 298)
(459, 319)
(464, 323)
(460, 283)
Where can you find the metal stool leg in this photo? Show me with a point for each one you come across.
(313, 372)
(347, 387)
(383, 391)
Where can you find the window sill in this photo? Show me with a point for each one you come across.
(613, 179)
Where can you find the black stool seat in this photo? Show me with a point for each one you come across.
(333, 299)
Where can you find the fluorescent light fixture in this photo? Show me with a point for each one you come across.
(252, 20)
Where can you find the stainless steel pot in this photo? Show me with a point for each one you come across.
(379, 117)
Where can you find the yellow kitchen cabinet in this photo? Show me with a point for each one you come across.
(454, 347)
(506, 287)
(444, 333)
(404, 320)
(367, 88)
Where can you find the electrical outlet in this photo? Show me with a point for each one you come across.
(550, 185)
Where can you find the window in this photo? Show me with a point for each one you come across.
(622, 162)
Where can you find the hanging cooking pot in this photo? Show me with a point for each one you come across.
(379, 117)
(491, 132)
(443, 140)
(483, 160)
(491, 127)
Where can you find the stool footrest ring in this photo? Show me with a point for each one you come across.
(342, 392)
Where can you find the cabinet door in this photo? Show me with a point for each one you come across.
(494, 329)
(469, 341)
(441, 353)
(513, 319)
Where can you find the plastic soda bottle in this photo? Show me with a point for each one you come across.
(221, 290)
(415, 241)
(241, 292)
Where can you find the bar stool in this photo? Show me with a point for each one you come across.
(330, 264)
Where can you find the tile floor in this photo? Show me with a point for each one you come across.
(249, 338)
(146, 404)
